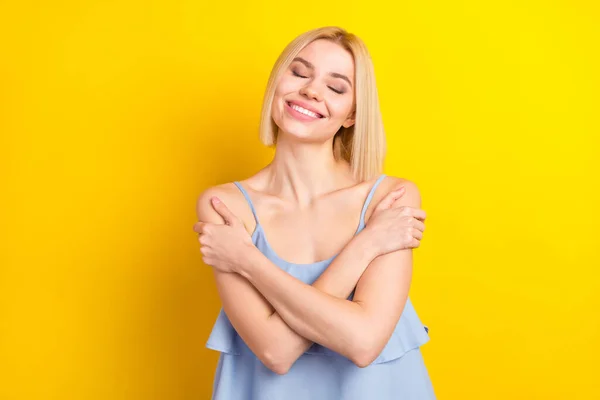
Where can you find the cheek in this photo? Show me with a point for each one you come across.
(284, 88)
(340, 108)
(280, 92)
(286, 85)
(277, 107)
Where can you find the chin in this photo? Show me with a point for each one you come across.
(302, 134)
(297, 132)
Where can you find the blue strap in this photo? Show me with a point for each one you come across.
(369, 198)
(362, 214)
(247, 199)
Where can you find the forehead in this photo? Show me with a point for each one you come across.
(329, 57)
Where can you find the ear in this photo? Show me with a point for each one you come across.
(350, 120)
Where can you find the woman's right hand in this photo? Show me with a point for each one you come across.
(392, 227)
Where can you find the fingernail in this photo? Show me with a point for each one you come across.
(216, 200)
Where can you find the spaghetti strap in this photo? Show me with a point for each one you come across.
(398, 371)
(368, 200)
(362, 213)
(248, 200)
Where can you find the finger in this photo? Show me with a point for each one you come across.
(419, 225)
(420, 214)
(390, 198)
(198, 226)
(413, 212)
(221, 208)
(203, 239)
(417, 234)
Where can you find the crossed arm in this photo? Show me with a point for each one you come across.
(279, 317)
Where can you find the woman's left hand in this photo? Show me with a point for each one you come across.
(224, 246)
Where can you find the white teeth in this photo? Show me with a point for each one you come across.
(304, 111)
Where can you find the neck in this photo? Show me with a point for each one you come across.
(303, 171)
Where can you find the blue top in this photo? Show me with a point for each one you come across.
(320, 373)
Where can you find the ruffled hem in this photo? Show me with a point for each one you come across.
(409, 334)
(224, 337)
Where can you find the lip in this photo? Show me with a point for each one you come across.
(297, 115)
(305, 106)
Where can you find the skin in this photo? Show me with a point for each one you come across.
(309, 207)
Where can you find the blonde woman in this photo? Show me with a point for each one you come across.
(312, 255)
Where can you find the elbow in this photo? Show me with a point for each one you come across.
(275, 361)
(363, 359)
(279, 368)
(365, 351)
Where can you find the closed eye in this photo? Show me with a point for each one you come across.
(331, 88)
(298, 75)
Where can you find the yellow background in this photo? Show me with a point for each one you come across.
(115, 115)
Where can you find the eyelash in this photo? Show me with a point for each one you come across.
(302, 76)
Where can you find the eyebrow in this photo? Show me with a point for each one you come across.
(333, 74)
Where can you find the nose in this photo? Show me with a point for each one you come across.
(310, 92)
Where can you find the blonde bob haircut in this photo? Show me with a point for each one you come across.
(363, 144)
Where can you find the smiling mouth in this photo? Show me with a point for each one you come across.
(304, 110)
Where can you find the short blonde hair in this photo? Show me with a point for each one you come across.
(363, 144)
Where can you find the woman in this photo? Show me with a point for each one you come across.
(315, 302)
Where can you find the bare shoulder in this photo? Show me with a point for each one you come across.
(229, 194)
(411, 197)
(204, 209)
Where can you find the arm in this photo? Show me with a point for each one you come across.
(272, 340)
(357, 329)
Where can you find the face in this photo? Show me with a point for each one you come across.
(315, 95)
